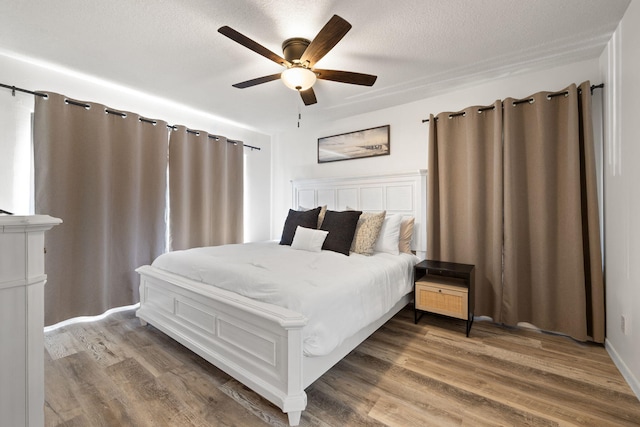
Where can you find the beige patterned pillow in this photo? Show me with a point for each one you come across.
(367, 232)
(406, 234)
(323, 212)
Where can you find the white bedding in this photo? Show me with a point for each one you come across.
(338, 294)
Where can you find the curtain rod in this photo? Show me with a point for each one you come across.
(15, 89)
(522, 101)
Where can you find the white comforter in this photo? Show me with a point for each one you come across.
(338, 294)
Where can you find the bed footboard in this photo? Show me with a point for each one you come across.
(256, 343)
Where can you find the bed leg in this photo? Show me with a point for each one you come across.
(294, 417)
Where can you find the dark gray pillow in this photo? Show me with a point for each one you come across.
(341, 227)
(307, 219)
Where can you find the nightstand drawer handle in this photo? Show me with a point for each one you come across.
(439, 290)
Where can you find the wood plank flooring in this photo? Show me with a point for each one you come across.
(116, 372)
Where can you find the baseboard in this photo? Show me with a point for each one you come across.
(633, 382)
(82, 319)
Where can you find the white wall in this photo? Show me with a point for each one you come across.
(257, 194)
(32, 75)
(620, 64)
(295, 152)
(15, 152)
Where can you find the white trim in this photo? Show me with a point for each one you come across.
(633, 382)
(82, 319)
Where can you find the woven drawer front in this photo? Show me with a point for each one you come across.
(440, 300)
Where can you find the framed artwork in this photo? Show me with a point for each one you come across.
(355, 145)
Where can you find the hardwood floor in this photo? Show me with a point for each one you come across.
(116, 372)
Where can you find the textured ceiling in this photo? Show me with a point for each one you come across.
(417, 48)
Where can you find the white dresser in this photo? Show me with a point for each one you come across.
(22, 280)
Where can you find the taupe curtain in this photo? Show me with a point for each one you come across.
(206, 190)
(542, 265)
(552, 259)
(105, 176)
(464, 216)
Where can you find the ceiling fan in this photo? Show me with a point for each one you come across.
(300, 56)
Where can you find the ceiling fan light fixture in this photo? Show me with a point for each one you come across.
(300, 57)
(298, 78)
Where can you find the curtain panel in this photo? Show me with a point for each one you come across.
(105, 176)
(464, 213)
(206, 190)
(552, 259)
(515, 194)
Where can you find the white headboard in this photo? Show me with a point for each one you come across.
(398, 194)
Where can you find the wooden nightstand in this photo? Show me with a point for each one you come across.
(444, 288)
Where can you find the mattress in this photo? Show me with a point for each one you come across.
(338, 294)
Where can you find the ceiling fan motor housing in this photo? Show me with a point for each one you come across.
(294, 48)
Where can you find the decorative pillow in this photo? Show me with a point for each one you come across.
(367, 232)
(308, 239)
(323, 210)
(341, 227)
(406, 234)
(389, 238)
(307, 219)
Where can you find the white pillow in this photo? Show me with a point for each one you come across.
(389, 236)
(308, 239)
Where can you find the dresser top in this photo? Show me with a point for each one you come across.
(17, 223)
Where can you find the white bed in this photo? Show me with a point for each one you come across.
(268, 347)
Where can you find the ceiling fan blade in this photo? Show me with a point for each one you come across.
(327, 38)
(257, 81)
(308, 96)
(346, 77)
(254, 46)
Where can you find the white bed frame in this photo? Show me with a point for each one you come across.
(260, 344)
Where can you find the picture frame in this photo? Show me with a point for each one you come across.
(360, 144)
